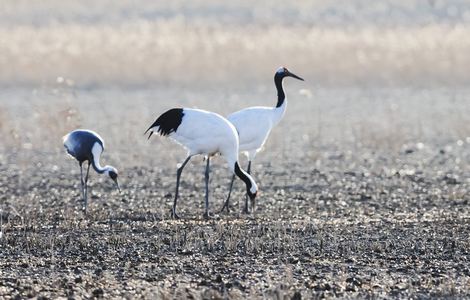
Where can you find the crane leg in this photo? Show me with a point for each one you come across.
(178, 175)
(86, 186)
(245, 210)
(82, 182)
(206, 211)
(226, 203)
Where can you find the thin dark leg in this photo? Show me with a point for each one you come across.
(206, 211)
(226, 204)
(245, 210)
(83, 183)
(178, 175)
(86, 186)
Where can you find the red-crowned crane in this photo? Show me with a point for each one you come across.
(86, 145)
(206, 133)
(254, 124)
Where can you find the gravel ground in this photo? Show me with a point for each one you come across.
(367, 215)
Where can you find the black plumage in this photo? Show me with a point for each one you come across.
(168, 122)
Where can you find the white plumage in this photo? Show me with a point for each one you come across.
(254, 124)
(203, 132)
(206, 133)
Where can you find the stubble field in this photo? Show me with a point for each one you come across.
(348, 208)
(363, 185)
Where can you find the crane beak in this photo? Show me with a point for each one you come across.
(117, 185)
(253, 202)
(295, 76)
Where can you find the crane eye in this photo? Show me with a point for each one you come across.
(113, 175)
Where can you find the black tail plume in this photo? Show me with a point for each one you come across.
(168, 122)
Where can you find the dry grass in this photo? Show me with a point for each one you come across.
(144, 52)
(383, 120)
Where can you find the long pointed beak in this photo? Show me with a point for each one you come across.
(295, 76)
(117, 185)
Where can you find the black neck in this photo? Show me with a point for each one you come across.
(280, 90)
(242, 176)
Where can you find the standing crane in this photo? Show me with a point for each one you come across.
(86, 145)
(206, 133)
(254, 124)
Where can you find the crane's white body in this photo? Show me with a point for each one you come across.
(254, 125)
(203, 132)
(206, 133)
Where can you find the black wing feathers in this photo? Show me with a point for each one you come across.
(168, 122)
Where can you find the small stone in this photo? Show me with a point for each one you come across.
(98, 293)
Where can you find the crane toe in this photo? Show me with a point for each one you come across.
(225, 208)
(206, 215)
(174, 216)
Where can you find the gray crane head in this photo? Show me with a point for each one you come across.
(113, 174)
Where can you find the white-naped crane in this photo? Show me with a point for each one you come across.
(87, 146)
(206, 133)
(254, 124)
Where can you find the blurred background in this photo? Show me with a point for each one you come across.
(135, 43)
(381, 75)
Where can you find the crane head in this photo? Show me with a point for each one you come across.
(113, 174)
(284, 72)
(252, 192)
(252, 197)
